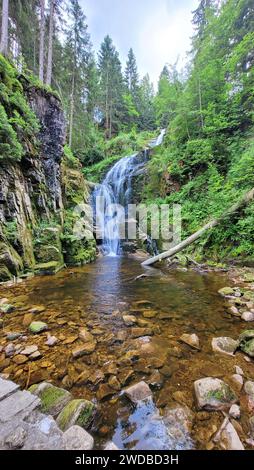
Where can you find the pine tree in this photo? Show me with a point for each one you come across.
(131, 74)
(146, 104)
(50, 41)
(111, 86)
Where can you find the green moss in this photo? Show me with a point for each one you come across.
(50, 396)
(78, 412)
(51, 267)
(223, 394)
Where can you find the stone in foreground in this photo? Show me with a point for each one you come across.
(227, 437)
(213, 394)
(225, 345)
(191, 340)
(138, 392)
(18, 403)
(111, 446)
(76, 412)
(7, 388)
(76, 438)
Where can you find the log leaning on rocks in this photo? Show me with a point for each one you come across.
(248, 197)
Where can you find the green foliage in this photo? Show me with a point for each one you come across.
(18, 123)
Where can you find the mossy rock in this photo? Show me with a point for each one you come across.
(226, 291)
(7, 308)
(53, 399)
(249, 277)
(38, 327)
(48, 268)
(247, 342)
(76, 412)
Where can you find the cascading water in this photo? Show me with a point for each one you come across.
(116, 189)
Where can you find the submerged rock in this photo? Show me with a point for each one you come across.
(80, 351)
(6, 308)
(129, 320)
(213, 394)
(111, 446)
(138, 392)
(249, 390)
(37, 327)
(191, 339)
(225, 291)
(77, 412)
(235, 412)
(85, 335)
(225, 345)
(178, 421)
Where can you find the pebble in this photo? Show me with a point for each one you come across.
(235, 412)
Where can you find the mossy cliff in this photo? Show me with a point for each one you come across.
(38, 188)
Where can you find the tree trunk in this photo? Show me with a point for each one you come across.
(188, 241)
(4, 28)
(50, 45)
(72, 109)
(42, 41)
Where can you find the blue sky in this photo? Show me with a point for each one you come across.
(158, 30)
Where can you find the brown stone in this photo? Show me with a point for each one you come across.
(104, 391)
(20, 359)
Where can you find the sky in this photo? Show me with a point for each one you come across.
(159, 31)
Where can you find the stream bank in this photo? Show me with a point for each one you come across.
(103, 329)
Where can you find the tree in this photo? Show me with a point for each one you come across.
(4, 28)
(146, 104)
(42, 41)
(111, 86)
(131, 74)
(50, 41)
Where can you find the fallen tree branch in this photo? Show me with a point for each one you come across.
(195, 236)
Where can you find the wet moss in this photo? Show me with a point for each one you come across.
(78, 412)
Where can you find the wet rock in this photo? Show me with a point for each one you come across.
(234, 311)
(9, 350)
(239, 370)
(191, 340)
(238, 381)
(7, 308)
(3, 301)
(29, 350)
(225, 291)
(249, 390)
(85, 336)
(76, 438)
(143, 323)
(87, 348)
(114, 383)
(213, 394)
(149, 313)
(129, 320)
(138, 392)
(121, 336)
(139, 332)
(53, 399)
(155, 380)
(4, 363)
(71, 339)
(35, 356)
(96, 377)
(13, 336)
(178, 421)
(248, 316)
(225, 345)
(251, 425)
(125, 375)
(37, 309)
(227, 437)
(246, 340)
(27, 319)
(212, 370)
(104, 391)
(165, 316)
(20, 359)
(110, 369)
(235, 412)
(16, 439)
(37, 327)
(76, 412)
(51, 341)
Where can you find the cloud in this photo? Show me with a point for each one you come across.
(158, 30)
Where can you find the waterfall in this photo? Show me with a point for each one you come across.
(116, 190)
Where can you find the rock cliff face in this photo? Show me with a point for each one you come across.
(33, 227)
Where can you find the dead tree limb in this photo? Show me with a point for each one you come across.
(249, 196)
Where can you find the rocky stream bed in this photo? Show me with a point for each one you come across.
(154, 360)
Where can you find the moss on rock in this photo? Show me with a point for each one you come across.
(79, 412)
(53, 399)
